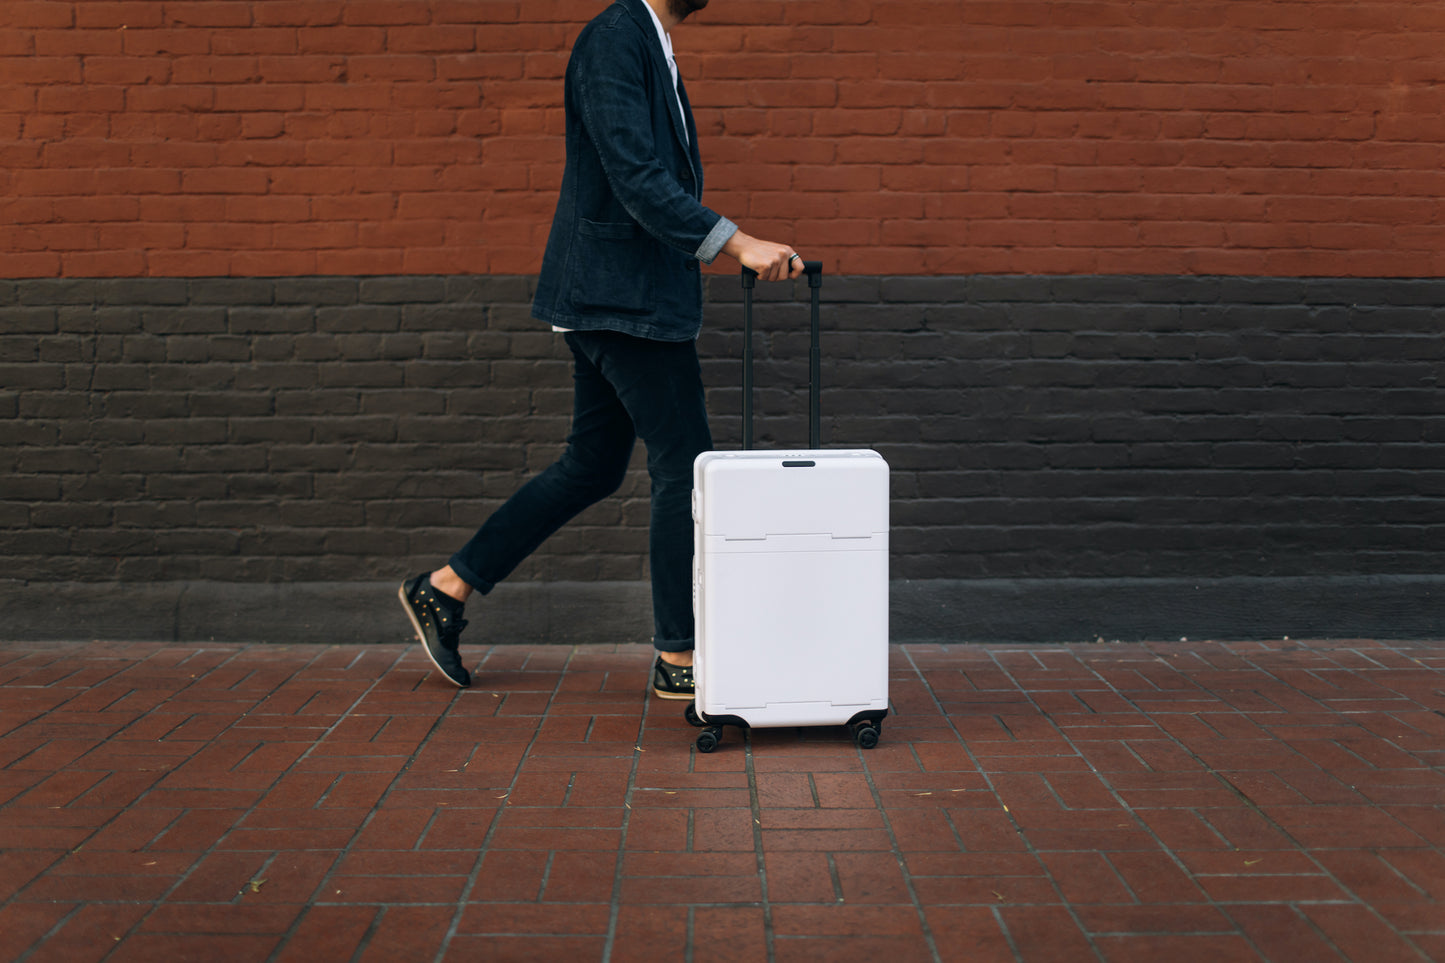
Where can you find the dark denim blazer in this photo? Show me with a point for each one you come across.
(630, 228)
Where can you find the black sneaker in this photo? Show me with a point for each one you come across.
(437, 627)
(672, 681)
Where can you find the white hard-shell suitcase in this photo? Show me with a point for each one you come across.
(790, 580)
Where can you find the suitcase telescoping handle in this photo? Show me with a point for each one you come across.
(814, 271)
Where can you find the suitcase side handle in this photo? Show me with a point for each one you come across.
(814, 272)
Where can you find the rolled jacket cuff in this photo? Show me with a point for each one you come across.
(716, 238)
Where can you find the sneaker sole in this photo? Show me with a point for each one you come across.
(421, 636)
(665, 694)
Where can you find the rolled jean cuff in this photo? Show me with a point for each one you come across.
(479, 585)
(673, 645)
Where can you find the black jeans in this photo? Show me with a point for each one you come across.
(625, 388)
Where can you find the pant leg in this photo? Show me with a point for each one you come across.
(659, 383)
(599, 448)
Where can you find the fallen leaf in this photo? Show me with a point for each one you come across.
(256, 885)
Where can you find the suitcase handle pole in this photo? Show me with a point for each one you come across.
(814, 271)
(815, 358)
(750, 280)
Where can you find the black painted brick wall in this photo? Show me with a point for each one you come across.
(1062, 427)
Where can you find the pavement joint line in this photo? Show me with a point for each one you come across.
(484, 848)
(215, 845)
(1069, 907)
(1249, 803)
(896, 851)
(378, 917)
(618, 872)
(755, 816)
(997, 911)
(1326, 788)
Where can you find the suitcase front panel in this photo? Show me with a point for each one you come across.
(802, 637)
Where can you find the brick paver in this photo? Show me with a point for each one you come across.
(1184, 801)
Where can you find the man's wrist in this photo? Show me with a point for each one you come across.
(722, 235)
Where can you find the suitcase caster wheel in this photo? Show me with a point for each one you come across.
(690, 714)
(866, 737)
(708, 739)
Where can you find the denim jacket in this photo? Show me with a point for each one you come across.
(630, 227)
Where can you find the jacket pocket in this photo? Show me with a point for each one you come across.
(612, 267)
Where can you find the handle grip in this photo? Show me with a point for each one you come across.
(813, 269)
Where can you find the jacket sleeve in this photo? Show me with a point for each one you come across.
(612, 93)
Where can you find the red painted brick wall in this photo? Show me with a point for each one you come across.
(298, 137)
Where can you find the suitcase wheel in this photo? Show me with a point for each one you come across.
(865, 734)
(690, 714)
(708, 739)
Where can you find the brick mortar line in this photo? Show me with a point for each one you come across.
(26, 721)
(377, 918)
(1306, 850)
(66, 918)
(161, 900)
(618, 872)
(1113, 869)
(311, 904)
(755, 813)
(897, 851)
(156, 902)
(484, 847)
(1013, 821)
(1168, 850)
(1250, 804)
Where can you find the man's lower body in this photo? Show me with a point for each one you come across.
(625, 388)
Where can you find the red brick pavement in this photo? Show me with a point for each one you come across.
(1187, 801)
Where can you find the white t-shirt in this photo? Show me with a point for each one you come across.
(666, 39)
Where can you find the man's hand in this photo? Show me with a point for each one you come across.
(773, 262)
